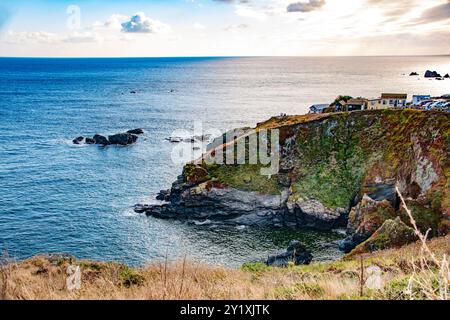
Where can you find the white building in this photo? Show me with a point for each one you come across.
(394, 100)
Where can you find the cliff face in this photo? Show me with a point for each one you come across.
(335, 170)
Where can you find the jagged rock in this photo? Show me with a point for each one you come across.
(383, 191)
(89, 141)
(141, 208)
(432, 74)
(78, 140)
(99, 139)
(392, 234)
(295, 253)
(163, 195)
(123, 139)
(364, 219)
(136, 131)
(447, 76)
(312, 213)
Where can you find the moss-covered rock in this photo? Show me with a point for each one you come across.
(392, 234)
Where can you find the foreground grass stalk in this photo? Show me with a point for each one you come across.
(425, 278)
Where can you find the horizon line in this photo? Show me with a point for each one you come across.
(221, 56)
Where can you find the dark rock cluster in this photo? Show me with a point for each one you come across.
(123, 139)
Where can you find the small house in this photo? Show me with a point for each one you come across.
(375, 104)
(318, 108)
(356, 104)
(394, 100)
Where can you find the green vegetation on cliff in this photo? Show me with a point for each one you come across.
(336, 158)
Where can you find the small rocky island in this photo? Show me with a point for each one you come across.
(123, 139)
(336, 170)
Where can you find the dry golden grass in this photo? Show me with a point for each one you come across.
(44, 278)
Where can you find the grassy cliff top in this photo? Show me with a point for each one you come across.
(40, 278)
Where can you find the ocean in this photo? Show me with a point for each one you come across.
(59, 197)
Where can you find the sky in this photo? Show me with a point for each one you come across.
(156, 28)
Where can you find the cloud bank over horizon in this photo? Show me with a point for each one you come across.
(227, 27)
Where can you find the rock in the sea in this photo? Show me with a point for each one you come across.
(141, 208)
(136, 131)
(89, 141)
(163, 195)
(447, 76)
(78, 140)
(393, 233)
(413, 74)
(432, 74)
(101, 140)
(295, 253)
(123, 139)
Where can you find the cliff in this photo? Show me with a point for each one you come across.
(335, 170)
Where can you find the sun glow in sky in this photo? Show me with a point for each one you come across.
(223, 27)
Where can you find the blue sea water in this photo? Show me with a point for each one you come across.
(59, 197)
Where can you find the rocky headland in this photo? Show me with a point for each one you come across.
(336, 170)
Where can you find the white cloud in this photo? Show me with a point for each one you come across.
(139, 23)
(250, 12)
(237, 27)
(114, 22)
(42, 37)
(198, 26)
(308, 6)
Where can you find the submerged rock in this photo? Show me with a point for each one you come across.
(295, 253)
(123, 139)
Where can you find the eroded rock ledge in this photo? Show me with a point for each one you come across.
(335, 170)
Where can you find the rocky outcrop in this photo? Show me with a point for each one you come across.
(335, 170)
(413, 74)
(124, 139)
(296, 253)
(432, 74)
(78, 140)
(101, 140)
(364, 219)
(392, 234)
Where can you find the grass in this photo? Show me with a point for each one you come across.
(38, 278)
